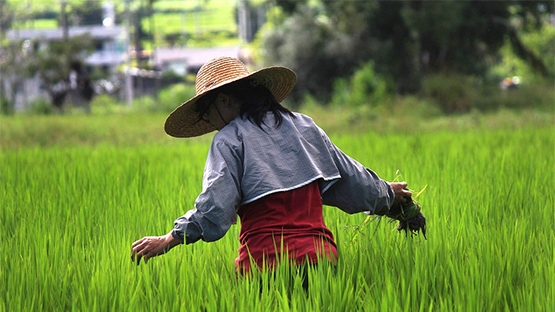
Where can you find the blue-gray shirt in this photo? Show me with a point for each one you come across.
(246, 163)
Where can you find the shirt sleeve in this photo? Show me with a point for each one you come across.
(359, 188)
(216, 206)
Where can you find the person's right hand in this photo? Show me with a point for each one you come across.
(152, 246)
(402, 194)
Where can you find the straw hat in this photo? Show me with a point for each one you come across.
(184, 121)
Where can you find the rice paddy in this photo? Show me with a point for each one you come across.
(70, 212)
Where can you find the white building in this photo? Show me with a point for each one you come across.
(189, 60)
(109, 53)
(110, 49)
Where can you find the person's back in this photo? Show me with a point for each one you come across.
(280, 205)
(285, 224)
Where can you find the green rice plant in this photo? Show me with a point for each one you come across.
(69, 213)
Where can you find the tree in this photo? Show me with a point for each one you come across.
(405, 39)
(542, 43)
(54, 64)
(449, 36)
(6, 17)
(290, 6)
(89, 12)
(8, 52)
(13, 57)
(310, 45)
(457, 36)
(532, 15)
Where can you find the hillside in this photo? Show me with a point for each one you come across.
(191, 23)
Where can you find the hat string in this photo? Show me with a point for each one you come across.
(222, 117)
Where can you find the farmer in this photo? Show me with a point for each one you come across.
(271, 167)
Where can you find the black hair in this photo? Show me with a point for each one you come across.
(256, 100)
(202, 106)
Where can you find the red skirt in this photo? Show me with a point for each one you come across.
(285, 224)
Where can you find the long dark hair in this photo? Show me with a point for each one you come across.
(256, 100)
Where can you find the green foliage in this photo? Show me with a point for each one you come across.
(145, 104)
(274, 18)
(170, 77)
(453, 93)
(104, 104)
(406, 40)
(542, 43)
(290, 6)
(45, 23)
(365, 87)
(6, 16)
(167, 100)
(538, 96)
(458, 35)
(461, 94)
(41, 107)
(87, 12)
(54, 62)
(349, 16)
(307, 43)
(173, 96)
(413, 107)
(5, 106)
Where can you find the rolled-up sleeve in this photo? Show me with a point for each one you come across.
(359, 188)
(216, 206)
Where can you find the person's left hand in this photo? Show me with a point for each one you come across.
(152, 246)
(402, 194)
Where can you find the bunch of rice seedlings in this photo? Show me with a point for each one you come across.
(411, 219)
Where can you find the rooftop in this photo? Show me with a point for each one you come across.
(193, 57)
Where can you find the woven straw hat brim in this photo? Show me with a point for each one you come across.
(184, 121)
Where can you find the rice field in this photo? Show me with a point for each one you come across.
(69, 213)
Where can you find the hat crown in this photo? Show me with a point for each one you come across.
(184, 121)
(219, 71)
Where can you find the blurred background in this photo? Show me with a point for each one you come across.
(428, 57)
